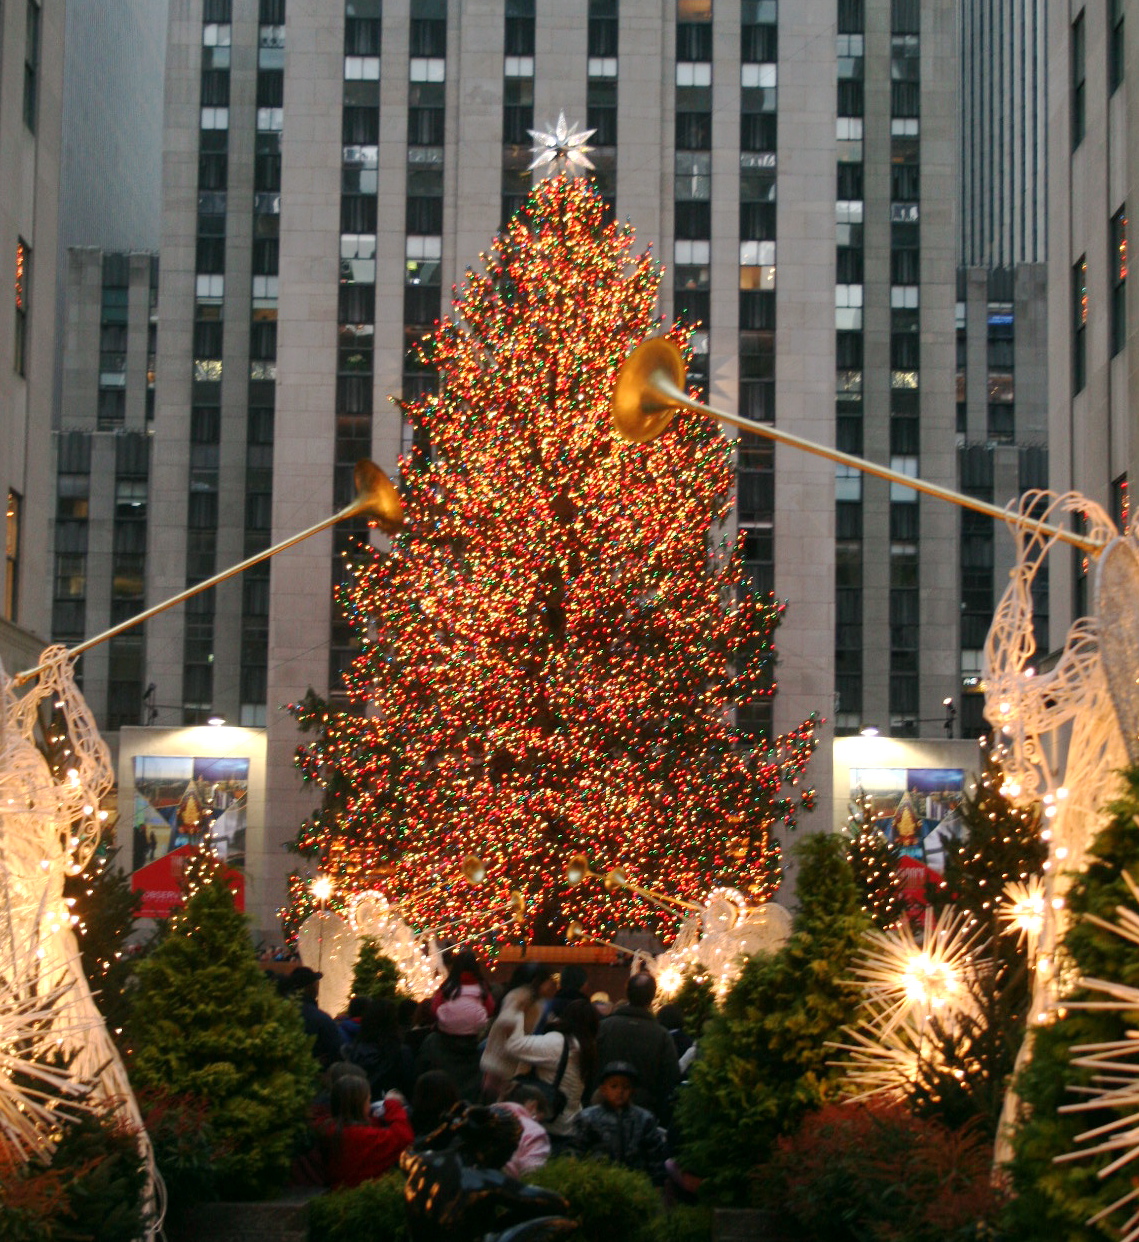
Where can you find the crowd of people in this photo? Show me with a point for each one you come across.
(570, 1073)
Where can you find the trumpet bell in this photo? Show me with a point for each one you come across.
(377, 497)
(617, 878)
(640, 411)
(575, 932)
(577, 869)
(473, 869)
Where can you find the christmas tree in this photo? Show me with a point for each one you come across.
(207, 1025)
(100, 896)
(995, 844)
(551, 651)
(1056, 1200)
(874, 864)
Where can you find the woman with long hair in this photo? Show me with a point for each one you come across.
(532, 984)
(568, 1049)
(357, 1145)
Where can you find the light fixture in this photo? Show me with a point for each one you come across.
(216, 721)
(869, 731)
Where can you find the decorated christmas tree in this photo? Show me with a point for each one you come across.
(551, 652)
(1057, 1200)
(874, 864)
(997, 843)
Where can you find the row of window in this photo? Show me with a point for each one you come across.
(1117, 265)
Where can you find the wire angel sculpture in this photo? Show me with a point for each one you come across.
(1062, 732)
(58, 1056)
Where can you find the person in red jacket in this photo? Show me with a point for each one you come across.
(357, 1144)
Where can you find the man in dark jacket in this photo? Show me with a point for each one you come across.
(305, 982)
(617, 1129)
(632, 1034)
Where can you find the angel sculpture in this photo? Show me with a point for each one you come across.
(1060, 733)
(57, 1057)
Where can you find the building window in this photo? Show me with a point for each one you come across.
(12, 556)
(22, 285)
(1120, 503)
(1079, 73)
(31, 64)
(1115, 47)
(1079, 324)
(1118, 261)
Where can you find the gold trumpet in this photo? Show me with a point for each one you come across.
(577, 870)
(376, 496)
(575, 934)
(650, 390)
(515, 906)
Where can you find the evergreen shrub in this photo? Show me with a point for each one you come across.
(206, 1024)
(763, 1060)
(877, 1173)
(607, 1200)
(373, 1209)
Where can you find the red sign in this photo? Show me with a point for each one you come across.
(160, 883)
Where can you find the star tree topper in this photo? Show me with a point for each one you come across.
(564, 145)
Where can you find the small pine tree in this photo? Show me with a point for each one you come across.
(874, 864)
(374, 975)
(763, 1057)
(93, 1188)
(206, 1022)
(106, 908)
(965, 1079)
(998, 842)
(1051, 1200)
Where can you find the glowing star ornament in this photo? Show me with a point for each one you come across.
(907, 979)
(1022, 910)
(563, 147)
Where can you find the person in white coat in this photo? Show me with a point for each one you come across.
(532, 985)
(578, 1027)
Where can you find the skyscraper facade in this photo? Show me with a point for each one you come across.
(1094, 149)
(1003, 110)
(31, 77)
(330, 172)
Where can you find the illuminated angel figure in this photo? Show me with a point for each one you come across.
(1081, 716)
(48, 830)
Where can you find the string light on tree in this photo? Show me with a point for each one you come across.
(553, 651)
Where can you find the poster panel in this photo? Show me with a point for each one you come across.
(916, 809)
(183, 802)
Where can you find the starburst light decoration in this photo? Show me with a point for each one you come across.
(561, 148)
(909, 988)
(908, 979)
(1021, 909)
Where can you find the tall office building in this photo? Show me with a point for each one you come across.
(31, 79)
(1002, 314)
(1094, 150)
(1003, 119)
(331, 169)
